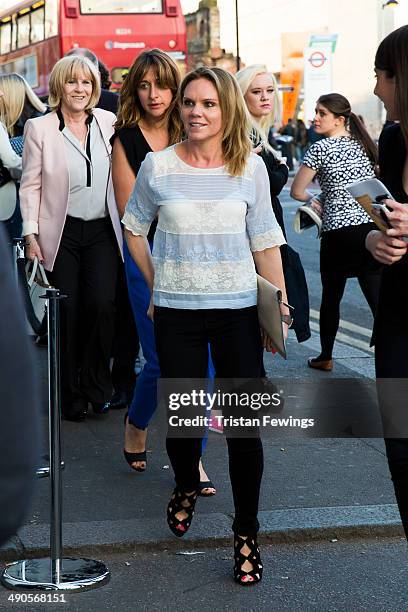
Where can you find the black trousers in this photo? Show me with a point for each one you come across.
(391, 361)
(85, 271)
(182, 338)
(343, 255)
(126, 341)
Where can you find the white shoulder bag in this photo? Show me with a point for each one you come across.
(37, 283)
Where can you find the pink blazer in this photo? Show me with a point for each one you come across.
(44, 189)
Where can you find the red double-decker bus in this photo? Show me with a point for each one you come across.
(35, 34)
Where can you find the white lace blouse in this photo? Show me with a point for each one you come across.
(208, 225)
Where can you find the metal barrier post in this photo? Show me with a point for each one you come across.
(54, 399)
(56, 572)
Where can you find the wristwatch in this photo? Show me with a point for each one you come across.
(287, 319)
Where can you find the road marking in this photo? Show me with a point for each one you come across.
(346, 339)
(363, 331)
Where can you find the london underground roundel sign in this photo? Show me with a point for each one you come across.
(317, 59)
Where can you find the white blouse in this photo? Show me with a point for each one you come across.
(209, 222)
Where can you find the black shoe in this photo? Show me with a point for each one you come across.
(246, 549)
(120, 399)
(206, 484)
(76, 412)
(180, 502)
(100, 407)
(132, 458)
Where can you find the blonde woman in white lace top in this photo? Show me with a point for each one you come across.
(215, 223)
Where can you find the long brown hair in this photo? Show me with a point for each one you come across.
(392, 56)
(130, 110)
(236, 144)
(340, 107)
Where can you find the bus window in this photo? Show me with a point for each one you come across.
(121, 6)
(5, 37)
(51, 18)
(37, 25)
(26, 66)
(23, 25)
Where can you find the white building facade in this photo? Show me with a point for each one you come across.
(265, 27)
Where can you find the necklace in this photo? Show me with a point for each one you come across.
(79, 130)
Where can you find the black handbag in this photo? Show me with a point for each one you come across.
(5, 176)
(297, 291)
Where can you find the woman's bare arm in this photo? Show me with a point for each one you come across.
(303, 178)
(122, 176)
(269, 266)
(140, 252)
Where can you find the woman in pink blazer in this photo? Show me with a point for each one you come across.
(71, 223)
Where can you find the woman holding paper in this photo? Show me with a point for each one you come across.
(346, 155)
(389, 248)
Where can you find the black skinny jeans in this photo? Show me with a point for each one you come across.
(342, 256)
(182, 338)
(391, 362)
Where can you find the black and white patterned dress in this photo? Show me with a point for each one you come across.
(338, 162)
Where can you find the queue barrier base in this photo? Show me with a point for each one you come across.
(41, 574)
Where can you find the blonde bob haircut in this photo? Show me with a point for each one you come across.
(236, 144)
(16, 90)
(260, 127)
(130, 110)
(72, 67)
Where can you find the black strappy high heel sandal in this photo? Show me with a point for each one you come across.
(132, 457)
(180, 502)
(252, 555)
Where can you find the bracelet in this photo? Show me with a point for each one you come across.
(287, 319)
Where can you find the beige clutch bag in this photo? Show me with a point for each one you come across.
(269, 314)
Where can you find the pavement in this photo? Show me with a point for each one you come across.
(313, 488)
(357, 575)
